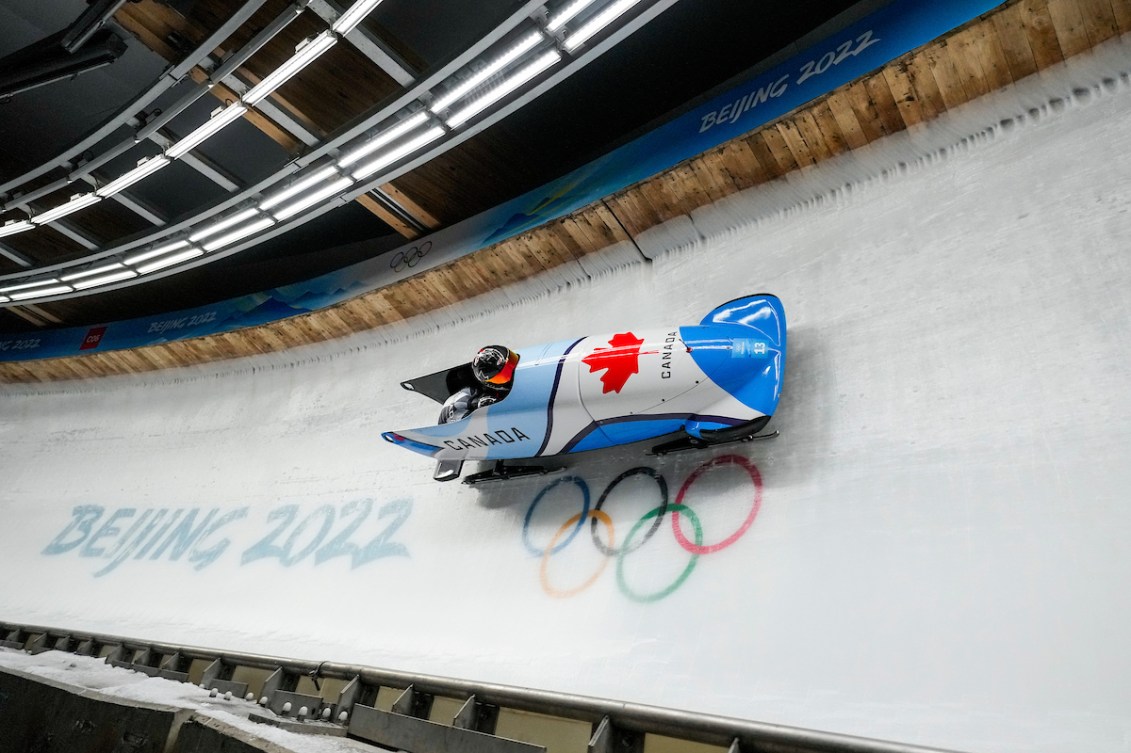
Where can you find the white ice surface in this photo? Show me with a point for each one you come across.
(940, 555)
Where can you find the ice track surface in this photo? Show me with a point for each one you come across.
(933, 551)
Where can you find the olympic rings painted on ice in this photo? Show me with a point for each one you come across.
(402, 260)
(582, 516)
(634, 541)
(657, 514)
(755, 478)
(610, 551)
(595, 515)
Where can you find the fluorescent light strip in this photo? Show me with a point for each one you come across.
(75, 204)
(39, 293)
(598, 22)
(524, 45)
(305, 54)
(384, 138)
(125, 274)
(390, 157)
(4, 299)
(235, 219)
(567, 13)
(26, 285)
(298, 187)
(168, 261)
(516, 80)
(242, 232)
(11, 228)
(153, 252)
(308, 201)
(143, 170)
(349, 20)
(91, 271)
(226, 117)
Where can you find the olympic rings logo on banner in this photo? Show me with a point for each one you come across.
(636, 538)
(402, 260)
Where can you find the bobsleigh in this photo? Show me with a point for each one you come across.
(715, 382)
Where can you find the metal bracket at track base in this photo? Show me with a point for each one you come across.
(413, 735)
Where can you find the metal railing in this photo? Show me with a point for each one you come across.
(615, 725)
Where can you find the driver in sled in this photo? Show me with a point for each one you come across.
(493, 367)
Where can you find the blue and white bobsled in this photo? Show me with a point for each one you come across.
(714, 382)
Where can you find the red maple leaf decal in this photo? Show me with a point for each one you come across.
(621, 361)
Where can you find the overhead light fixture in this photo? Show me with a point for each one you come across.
(124, 274)
(77, 202)
(520, 77)
(144, 169)
(213, 125)
(391, 134)
(305, 54)
(168, 261)
(392, 156)
(91, 271)
(16, 226)
(308, 201)
(27, 285)
(41, 293)
(224, 224)
(155, 252)
(237, 234)
(524, 45)
(567, 13)
(298, 187)
(598, 22)
(349, 20)
(4, 299)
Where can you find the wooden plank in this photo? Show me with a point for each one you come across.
(791, 136)
(883, 101)
(1069, 25)
(778, 150)
(813, 134)
(1121, 11)
(740, 164)
(658, 192)
(867, 115)
(606, 223)
(846, 119)
(650, 194)
(964, 53)
(986, 45)
(1014, 40)
(946, 75)
(410, 205)
(926, 85)
(828, 128)
(579, 238)
(1099, 20)
(714, 179)
(153, 23)
(389, 218)
(1042, 35)
(903, 91)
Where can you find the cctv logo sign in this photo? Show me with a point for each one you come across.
(93, 338)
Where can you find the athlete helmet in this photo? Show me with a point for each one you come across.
(494, 366)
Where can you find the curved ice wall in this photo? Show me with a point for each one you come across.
(933, 551)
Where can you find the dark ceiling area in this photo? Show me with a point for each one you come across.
(679, 57)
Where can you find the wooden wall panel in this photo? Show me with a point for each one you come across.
(1015, 41)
